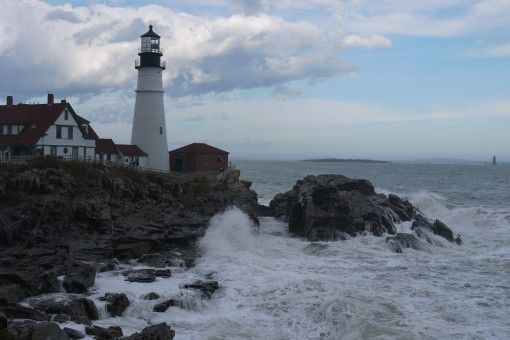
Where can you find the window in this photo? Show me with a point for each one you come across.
(9, 129)
(59, 132)
(1, 129)
(205, 160)
(108, 158)
(160, 130)
(70, 132)
(66, 115)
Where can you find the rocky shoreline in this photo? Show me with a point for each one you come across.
(63, 223)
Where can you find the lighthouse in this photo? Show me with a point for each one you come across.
(149, 129)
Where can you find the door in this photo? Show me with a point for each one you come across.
(75, 152)
(179, 164)
(53, 151)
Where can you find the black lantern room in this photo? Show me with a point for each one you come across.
(150, 53)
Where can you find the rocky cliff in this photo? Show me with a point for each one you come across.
(53, 215)
(333, 207)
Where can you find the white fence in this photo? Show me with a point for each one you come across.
(185, 176)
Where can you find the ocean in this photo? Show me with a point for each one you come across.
(276, 286)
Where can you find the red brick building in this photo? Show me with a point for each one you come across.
(198, 157)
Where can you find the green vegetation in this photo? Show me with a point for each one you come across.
(195, 189)
(85, 172)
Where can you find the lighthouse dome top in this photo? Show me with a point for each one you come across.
(150, 33)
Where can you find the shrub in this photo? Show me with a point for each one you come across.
(188, 199)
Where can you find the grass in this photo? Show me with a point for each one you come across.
(86, 172)
(194, 189)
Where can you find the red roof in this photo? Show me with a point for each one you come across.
(199, 148)
(37, 118)
(130, 150)
(106, 146)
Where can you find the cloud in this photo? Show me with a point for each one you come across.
(249, 7)
(374, 41)
(422, 18)
(286, 92)
(502, 50)
(87, 49)
(60, 14)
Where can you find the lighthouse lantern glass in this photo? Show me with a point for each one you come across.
(146, 44)
(155, 45)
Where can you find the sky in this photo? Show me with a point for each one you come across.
(279, 79)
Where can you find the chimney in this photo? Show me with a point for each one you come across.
(10, 100)
(63, 101)
(50, 98)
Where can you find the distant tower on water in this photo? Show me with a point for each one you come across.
(149, 129)
(494, 160)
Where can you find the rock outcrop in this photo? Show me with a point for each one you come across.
(116, 304)
(76, 307)
(333, 207)
(54, 213)
(30, 330)
(206, 288)
(155, 332)
(80, 276)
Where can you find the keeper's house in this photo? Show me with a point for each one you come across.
(123, 154)
(198, 157)
(44, 129)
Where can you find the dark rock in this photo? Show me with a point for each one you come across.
(332, 207)
(404, 240)
(16, 311)
(437, 228)
(140, 275)
(163, 273)
(91, 213)
(151, 296)
(163, 306)
(80, 276)
(403, 208)
(73, 333)
(155, 332)
(117, 303)
(442, 230)
(61, 318)
(108, 266)
(3, 321)
(264, 211)
(102, 333)
(31, 277)
(9, 294)
(247, 184)
(30, 330)
(79, 309)
(156, 260)
(207, 288)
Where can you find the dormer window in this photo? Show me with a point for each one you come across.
(66, 115)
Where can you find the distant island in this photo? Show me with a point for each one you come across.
(338, 160)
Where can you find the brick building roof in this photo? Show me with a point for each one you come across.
(200, 148)
(130, 150)
(106, 146)
(36, 118)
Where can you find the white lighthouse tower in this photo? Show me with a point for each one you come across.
(149, 129)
